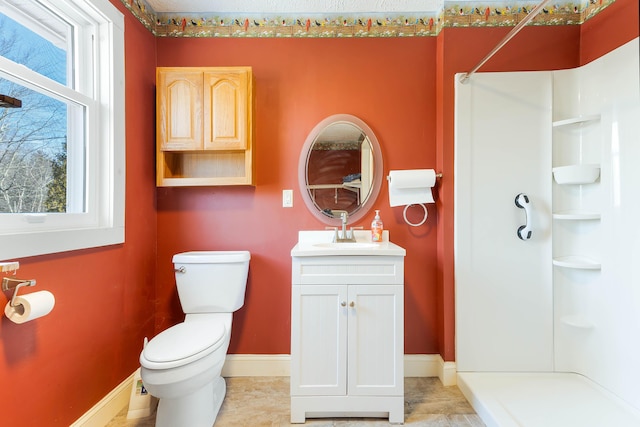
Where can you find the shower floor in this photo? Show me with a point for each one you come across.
(544, 400)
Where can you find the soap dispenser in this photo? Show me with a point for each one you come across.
(376, 228)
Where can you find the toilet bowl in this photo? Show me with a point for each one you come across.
(182, 365)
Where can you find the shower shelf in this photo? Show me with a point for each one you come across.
(576, 215)
(577, 321)
(576, 174)
(578, 262)
(576, 120)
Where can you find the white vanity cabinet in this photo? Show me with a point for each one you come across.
(347, 337)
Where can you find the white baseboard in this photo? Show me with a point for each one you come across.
(430, 365)
(277, 365)
(105, 410)
(261, 365)
(448, 373)
(256, 365)
(421, 365)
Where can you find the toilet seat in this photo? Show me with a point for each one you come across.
(182, 344)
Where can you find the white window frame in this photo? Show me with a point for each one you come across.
(102, 224)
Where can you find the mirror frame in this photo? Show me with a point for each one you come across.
(365, 208)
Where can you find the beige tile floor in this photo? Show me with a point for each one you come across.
(264, 401)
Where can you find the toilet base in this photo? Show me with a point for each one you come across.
(198, 409)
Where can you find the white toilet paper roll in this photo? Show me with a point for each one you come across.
(30, 306)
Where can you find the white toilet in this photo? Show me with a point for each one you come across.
(181, 366)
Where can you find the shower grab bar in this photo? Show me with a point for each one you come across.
(532, 14)
(524, 231)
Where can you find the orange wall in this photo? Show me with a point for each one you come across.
(56, 368)
(404, 89)
(606, 31)
(388, 83)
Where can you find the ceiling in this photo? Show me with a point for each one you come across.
(294, 6)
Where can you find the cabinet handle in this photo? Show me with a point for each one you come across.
(343, 303)
(352, 304)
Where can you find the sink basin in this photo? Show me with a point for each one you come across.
(346, 245)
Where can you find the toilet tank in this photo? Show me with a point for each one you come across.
(211, 281)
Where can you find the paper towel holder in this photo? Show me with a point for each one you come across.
(9, 283)
(438, 175)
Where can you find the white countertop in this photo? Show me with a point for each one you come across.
(319, 243)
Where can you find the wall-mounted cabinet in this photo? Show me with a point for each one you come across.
(204, 126)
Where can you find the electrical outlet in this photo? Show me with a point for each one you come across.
(287, 198)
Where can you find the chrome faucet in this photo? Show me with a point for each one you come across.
(345, 235)
(344, 217)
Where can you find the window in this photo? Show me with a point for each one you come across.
(61, 126)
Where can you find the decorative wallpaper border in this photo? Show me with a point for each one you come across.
(481, 14)
(455, 14)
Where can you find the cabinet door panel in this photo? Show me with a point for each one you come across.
(180, 110)
(376, 340)
(226, 110)
(318, 340)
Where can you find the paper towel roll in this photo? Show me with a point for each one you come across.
(30, 306)
(407, 187)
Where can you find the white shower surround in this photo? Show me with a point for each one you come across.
(537, 344)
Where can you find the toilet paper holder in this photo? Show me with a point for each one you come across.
(9, 283)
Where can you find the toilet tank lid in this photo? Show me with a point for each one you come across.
(209, 257)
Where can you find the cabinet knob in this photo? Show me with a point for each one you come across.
(352, 304)
(343, 303)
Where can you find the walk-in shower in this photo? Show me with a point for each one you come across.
(548, 326)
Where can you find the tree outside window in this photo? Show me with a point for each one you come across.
(33, 137)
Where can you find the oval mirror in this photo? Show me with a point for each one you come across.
(340, 169)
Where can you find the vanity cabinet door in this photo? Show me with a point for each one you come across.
(179, 109)
(347, 340)
(376, 340)
(318, 340)
(226, 109)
